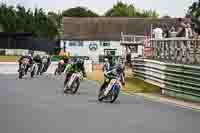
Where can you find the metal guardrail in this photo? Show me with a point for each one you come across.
(176, 80)
(131, 38)
(176, 50)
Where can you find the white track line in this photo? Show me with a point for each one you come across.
(164, 102)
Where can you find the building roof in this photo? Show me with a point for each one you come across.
(109, 28)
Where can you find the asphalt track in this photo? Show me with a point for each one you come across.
(39, 106)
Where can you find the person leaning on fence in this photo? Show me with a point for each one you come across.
(189, 31)
(158, 32)
(181, 31)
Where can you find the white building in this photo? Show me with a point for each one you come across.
(95, 36)
(94, 50)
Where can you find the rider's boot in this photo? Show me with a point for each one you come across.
(19, 67)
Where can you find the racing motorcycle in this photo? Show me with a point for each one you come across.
(44, 65)
(73, 83)
(35, 69)
(111, 92)
(23, 67)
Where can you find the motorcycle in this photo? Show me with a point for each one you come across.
(111, 92)
(23, 67)
(44, 66)
(35, 69)
(72, 85)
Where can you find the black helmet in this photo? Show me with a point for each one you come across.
(119, 68)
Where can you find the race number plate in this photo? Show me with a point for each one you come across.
(109, 86)
(71, 79)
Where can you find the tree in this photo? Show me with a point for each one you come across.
(124, 10)
(194, 9)
(56, 20)
(37, 22)
(79, 12)
(121, 10)
(194, 13)
(7, 17)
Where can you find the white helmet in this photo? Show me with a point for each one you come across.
(106, 60)
(23, 54)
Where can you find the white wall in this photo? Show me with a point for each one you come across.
(94, 55)
(20, 52)
(139, 52)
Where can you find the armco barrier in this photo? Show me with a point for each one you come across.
(177, 80)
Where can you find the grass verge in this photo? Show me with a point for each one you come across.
(8, 58)
(133, 85)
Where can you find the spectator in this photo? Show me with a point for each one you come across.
(166, 33)
(189, 33)
(181, 30)
(157, 32)
(172, 32)
(195, 35)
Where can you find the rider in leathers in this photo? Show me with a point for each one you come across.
(63, 63)
(37, 59)
(73, 67)
(112, 74)
(25, 57)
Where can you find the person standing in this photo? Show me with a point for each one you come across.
(181, 30)
(106, 66)
(158, 33)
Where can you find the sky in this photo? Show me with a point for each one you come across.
(174, 8)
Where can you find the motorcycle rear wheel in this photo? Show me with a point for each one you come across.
(20, 75)
(101, 95)
(74, 89)
(55, 73)
(114, 96)
(33, 72)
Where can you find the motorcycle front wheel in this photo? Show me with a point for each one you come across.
(32, 72)
(101, 95)
(20, 74)
(75, 85)
(115, 95)
(55, 73)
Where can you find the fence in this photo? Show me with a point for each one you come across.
(174, 66)
(25, 41)
(127, 39)
(176, 50)
(18, 52)
(176, 80)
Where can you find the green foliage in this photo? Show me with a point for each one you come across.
(49, 25)
(79, 12)
(194, 9)
(194, 13)
(21, 20)
(56, 58)
(125, 10)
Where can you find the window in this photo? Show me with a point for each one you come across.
(75, 43)
(111, 52)
(105, 44)
(64, 46)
